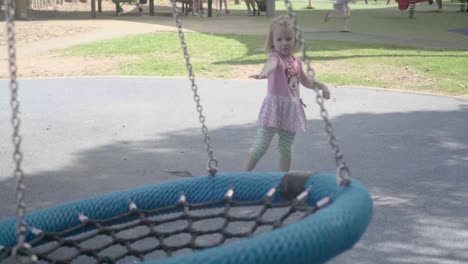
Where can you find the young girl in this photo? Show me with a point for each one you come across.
(282, 111)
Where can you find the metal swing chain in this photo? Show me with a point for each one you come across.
(343, 171)
(212, 162)
(21, 227)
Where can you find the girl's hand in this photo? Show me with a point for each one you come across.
(325, 91)
(257, 76)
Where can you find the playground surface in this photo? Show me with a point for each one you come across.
(89, 136)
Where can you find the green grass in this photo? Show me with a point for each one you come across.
(338, 63)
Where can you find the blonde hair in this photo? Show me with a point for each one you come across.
(283, 21)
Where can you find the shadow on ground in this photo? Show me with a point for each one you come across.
(413, 163)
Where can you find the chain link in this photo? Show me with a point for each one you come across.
(343, 173)
(22, 249)
(212, 162)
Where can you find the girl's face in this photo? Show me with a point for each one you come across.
(283, 40)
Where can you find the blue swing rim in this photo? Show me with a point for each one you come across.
(315, 239)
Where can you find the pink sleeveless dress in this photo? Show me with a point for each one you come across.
(282, 107)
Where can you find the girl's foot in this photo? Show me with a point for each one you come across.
(227, 12)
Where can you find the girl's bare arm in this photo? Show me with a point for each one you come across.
(310, 82)
(306, 80)
(268, 68)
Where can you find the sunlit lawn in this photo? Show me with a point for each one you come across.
(337, 62)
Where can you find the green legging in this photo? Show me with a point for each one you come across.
(264, 138)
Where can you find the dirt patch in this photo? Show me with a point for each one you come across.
(59, 66)
(31, 33)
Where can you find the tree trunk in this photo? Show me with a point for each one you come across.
(21, 9)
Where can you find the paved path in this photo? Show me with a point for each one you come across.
(84, 137)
